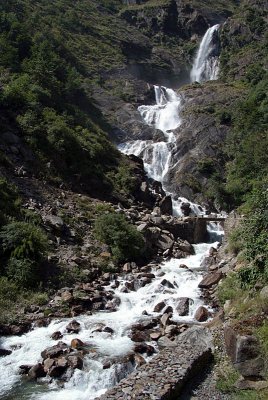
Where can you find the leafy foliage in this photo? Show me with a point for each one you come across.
(125, 241)
(24, 247)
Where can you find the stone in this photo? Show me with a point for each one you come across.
(144, 348)
(139, 336)
(73, 327)
(264, 293)
(37, 371)
(48, 363)
(75, 362)
(155, 335)
(186, 209)
(201, 314)
(159, 306)
(67, 296)
(209, 280)
(24, 369)
(77, 344)
(56, 335)
(165, 319)
(108, 330)
(182, 307)
(245, 352)
(165, 242)
(247, 384)
(4, 352)
(185, 246)
(171, 330)
(55, 351)
(56, 371)
(55, 222)
(165, 205)
(62, 362)
(167, 284)
(139, 360)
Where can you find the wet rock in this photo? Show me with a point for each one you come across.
(139, 336)
(37, 371)
(209, 280)
(201, 314)
(75, 362)
(76, 343)
(166, 205)
(167, 284)
(168, 310)
(56, 371)
(159, 307)
(182, 306)
(186, 209)
(24, 369)
(108, 330)
(48, 363)
(165, 242)
(55, 351)
(144, 348)
(107, 365)
(56, 335)
(185, 246)
(4, 352)
(73, 327)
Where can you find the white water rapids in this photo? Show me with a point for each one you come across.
(93, 380)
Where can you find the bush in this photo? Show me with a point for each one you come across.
(125, 241)
(24, 247)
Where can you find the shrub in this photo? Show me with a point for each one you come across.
(125, 241)
(24, 247)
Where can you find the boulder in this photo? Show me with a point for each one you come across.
(165, 319)
(159, 306)
(201, 314)
(167, 284)
(182, 307)
(48, 363)
(139, 360)
(56, 371)
(73, 327)
(209, 280)
(37, 371)
(165, 242)
(55, 351)
(75, 362)
(144, 348)
(76, 343)
(139, 336)
(4, 352)
(245, 353)
(56, 335)
(166, 205)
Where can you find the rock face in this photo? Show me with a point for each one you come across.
(245, 353)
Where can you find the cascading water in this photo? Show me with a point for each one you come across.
(206, 63)
(93, 380)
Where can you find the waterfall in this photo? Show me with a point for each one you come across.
(206, 63)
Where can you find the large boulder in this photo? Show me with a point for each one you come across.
(210, 280)
(245, 352)
(182, 307)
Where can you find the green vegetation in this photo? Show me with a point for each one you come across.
(125, 242)
(46, 87)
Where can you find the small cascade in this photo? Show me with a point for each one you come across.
(206, 63)
(165, 116)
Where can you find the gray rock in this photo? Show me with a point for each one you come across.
(37, 371)
(209, 280)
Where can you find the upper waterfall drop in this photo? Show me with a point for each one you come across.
(206, 63)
